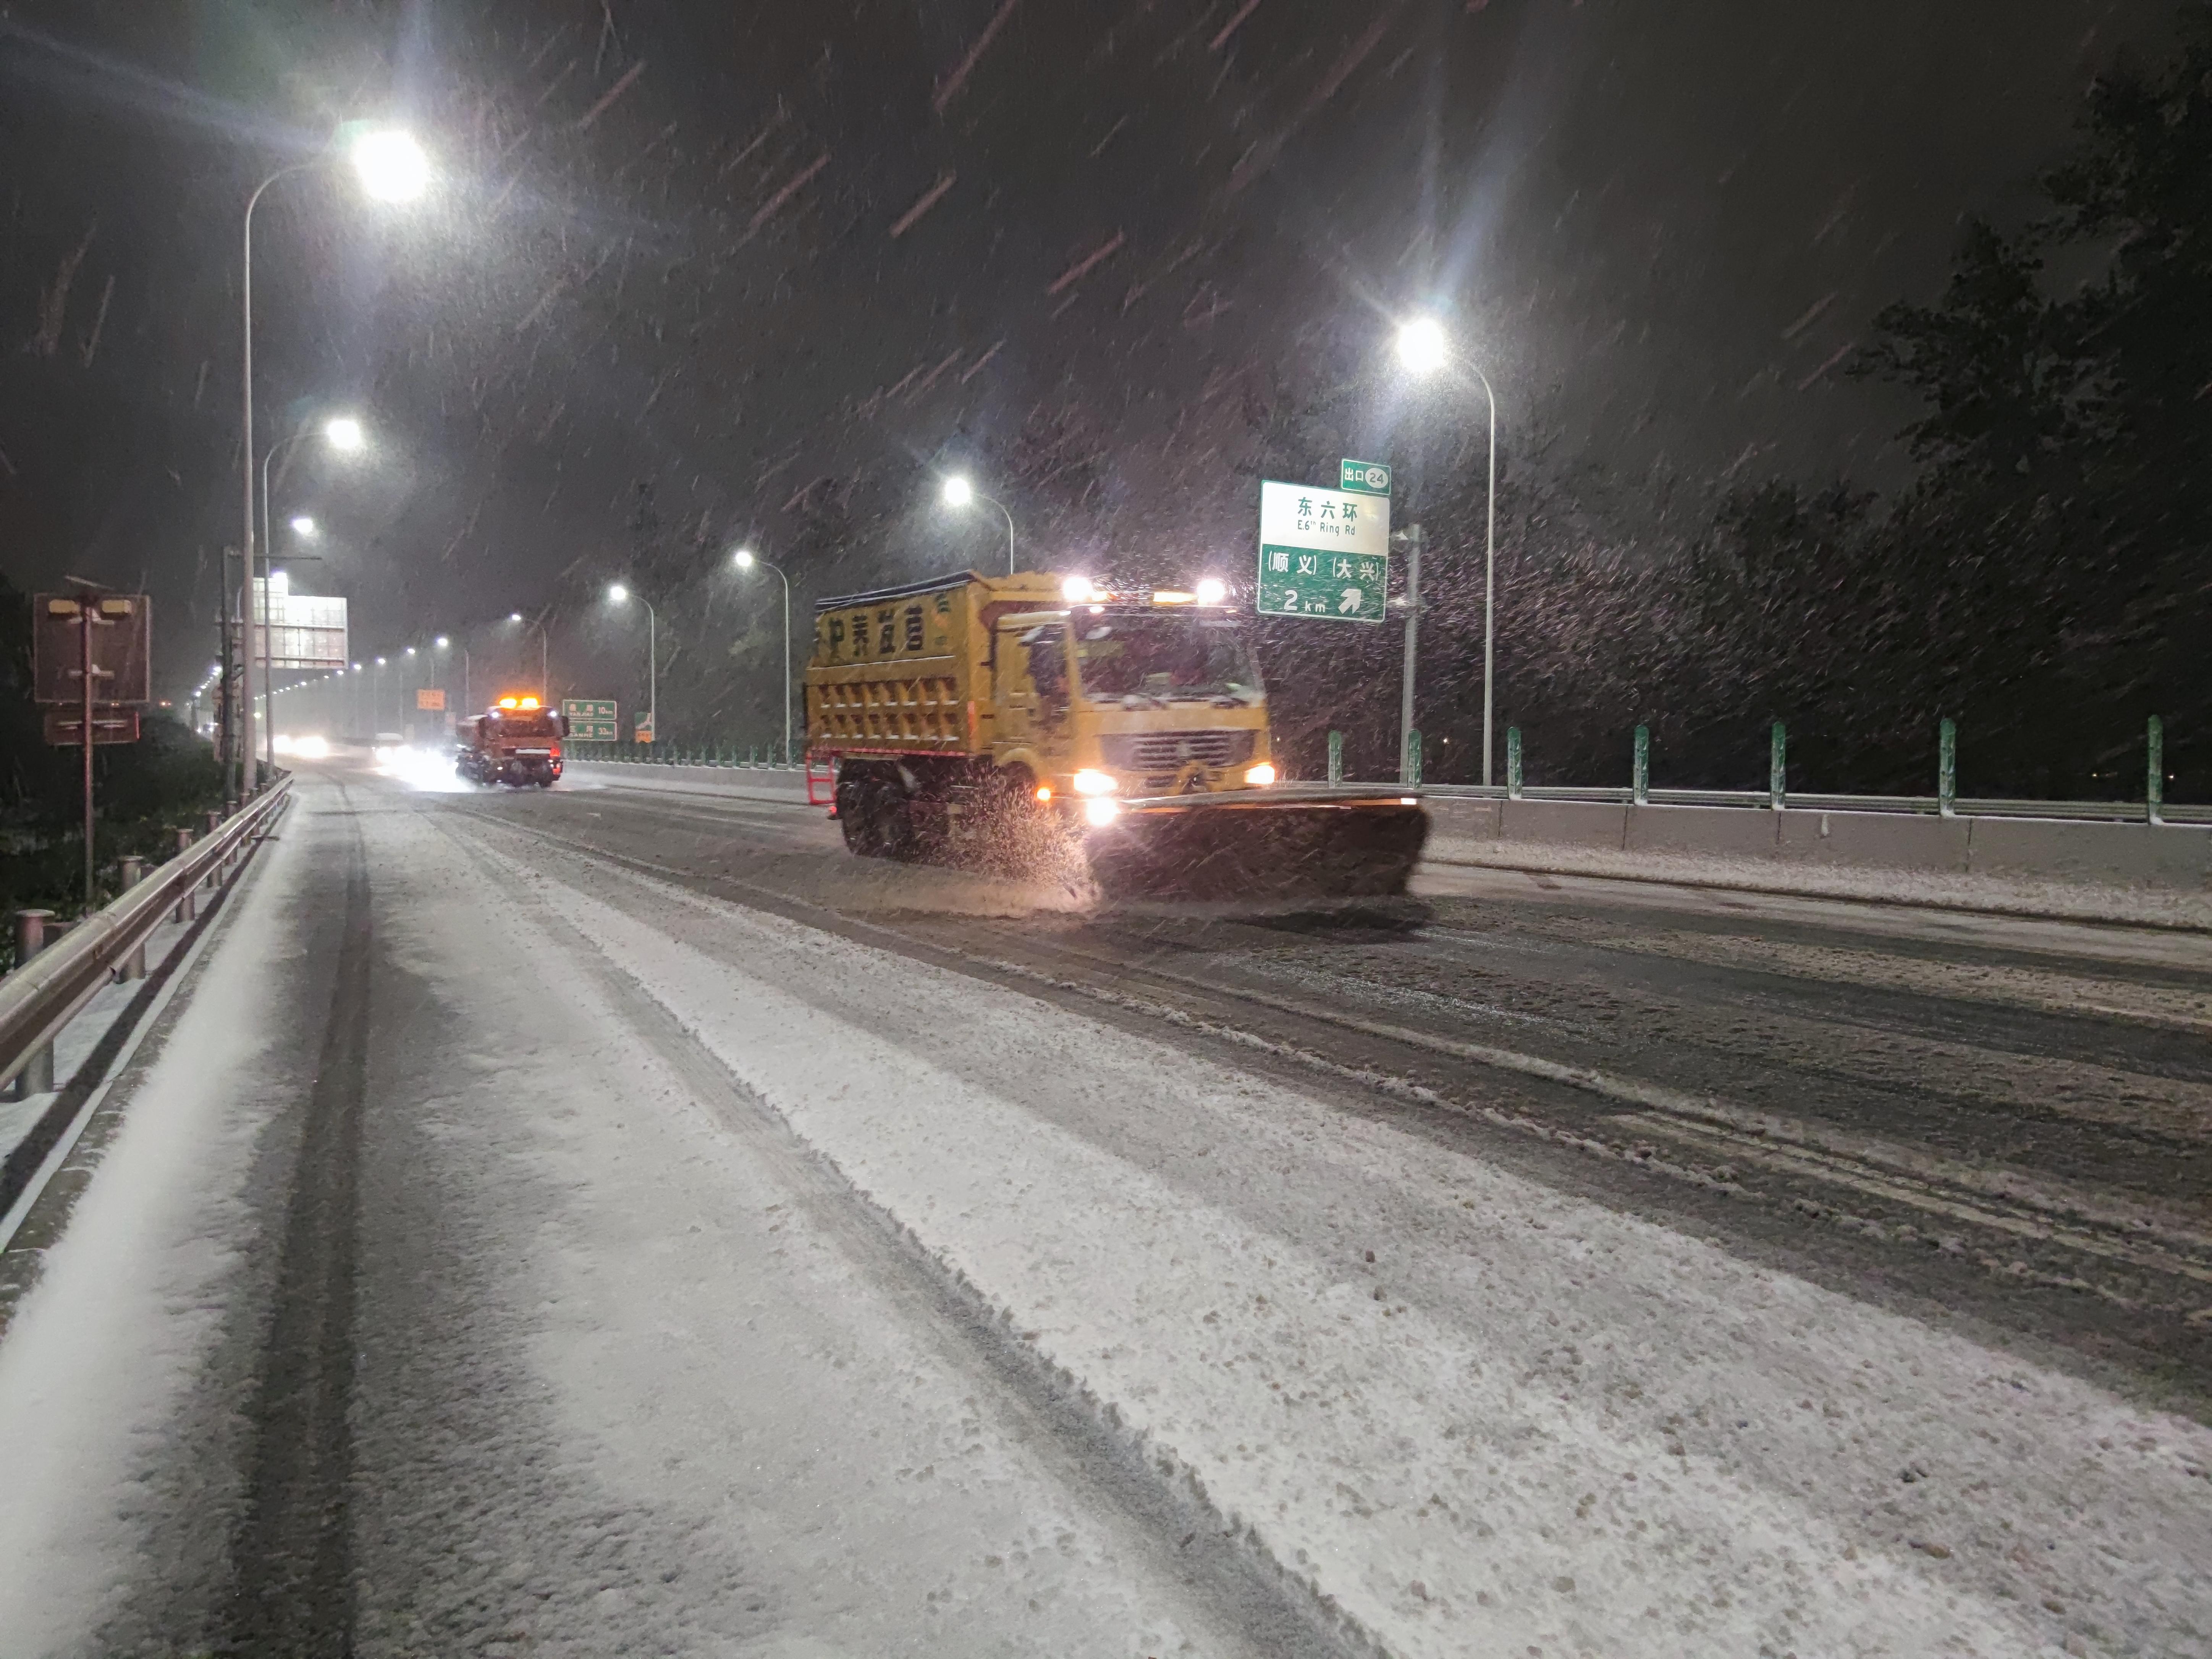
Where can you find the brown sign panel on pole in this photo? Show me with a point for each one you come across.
(122, 659)
(430, 696)
(65, 727)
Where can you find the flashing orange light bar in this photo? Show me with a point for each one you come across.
(529, 702)
(508, 703)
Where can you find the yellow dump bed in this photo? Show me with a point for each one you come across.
(906, 671)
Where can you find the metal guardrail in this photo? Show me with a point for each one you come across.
(46, 992)
(2087, 811)
(1962, 806)
(679, 758)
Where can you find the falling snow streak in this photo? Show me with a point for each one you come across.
(1074, 273)
(1810, 316)
(976, 367)
(54, 304)
(1262, 156)
(930, 379)
(560, 287)
(798, 496)
(1834, 357)
(952, 83)
(757, 139)
(1230, 28)
(91, 347)
(613, 93)
(768, 207)
(929, 199)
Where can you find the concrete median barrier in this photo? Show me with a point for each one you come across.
(1566, 823)
(2170, 857)
(1787, 850)
(1873, 841)
(751, 782)
(1733, 832)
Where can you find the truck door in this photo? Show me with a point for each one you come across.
(1033, 689)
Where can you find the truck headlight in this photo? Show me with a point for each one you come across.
(1260, 776)
(1098, 810)
(1090, 782)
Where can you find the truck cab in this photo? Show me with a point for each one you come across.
(1131, 698)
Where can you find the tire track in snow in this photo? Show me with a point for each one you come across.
(292, 1550)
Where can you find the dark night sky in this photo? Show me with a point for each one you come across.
(661, 254)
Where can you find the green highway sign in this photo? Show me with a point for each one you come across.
(1322, 553)
(1368, 478)
(591, 720)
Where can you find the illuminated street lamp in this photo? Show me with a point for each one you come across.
(304, 526)
(618, 594)
(390, 164)
(391, 168)
(1423, 349)
(1422, 346)
(745, 560)
(958, 492)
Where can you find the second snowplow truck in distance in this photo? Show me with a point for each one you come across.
(973, 711)
(512, 742)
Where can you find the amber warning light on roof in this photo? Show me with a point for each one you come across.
(518, 702)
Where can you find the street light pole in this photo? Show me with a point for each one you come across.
(959, 492)
(245, 700)
(545, 656)
(621, 595)
(268, 599)
(745, 561)
(344, 434)
(1489, 581)
(1422, 347)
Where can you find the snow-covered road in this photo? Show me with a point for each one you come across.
(568, 1260)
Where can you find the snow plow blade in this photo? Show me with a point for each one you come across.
(1316, 843)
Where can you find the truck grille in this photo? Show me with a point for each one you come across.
(1163, 754)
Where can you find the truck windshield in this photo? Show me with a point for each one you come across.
(515, 726)
(1161, 657)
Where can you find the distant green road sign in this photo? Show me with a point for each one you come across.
(1322, 553)
(591, 720)
(1368, 478)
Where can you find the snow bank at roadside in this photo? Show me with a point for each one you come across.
(104, 1347)
(1569, 1430)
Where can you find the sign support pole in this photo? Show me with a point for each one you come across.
(1406, 762)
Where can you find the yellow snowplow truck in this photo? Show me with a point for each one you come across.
(978, 713)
